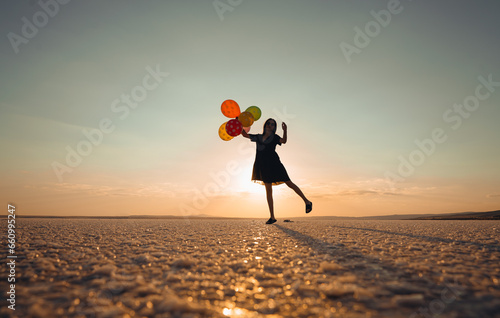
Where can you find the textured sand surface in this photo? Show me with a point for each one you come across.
(244, 268)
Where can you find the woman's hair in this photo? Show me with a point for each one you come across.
(275, 125)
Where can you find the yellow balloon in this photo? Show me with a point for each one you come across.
(255, 111)
(246, 119)
(223, 134)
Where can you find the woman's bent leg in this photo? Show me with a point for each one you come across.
(297, 190)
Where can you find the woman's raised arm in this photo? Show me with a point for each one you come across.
(284, 138)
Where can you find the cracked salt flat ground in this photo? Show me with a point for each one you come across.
(244, 268)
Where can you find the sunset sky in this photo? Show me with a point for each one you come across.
(113, 107)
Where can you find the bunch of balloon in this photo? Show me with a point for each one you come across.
(240, 120)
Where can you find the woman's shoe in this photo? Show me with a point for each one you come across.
(309, 207)
(271, 221)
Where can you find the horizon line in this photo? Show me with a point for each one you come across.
(207, 216)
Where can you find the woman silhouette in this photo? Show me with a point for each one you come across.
(268, 169)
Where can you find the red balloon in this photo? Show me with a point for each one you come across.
(234, 127)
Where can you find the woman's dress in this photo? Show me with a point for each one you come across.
(267, 167)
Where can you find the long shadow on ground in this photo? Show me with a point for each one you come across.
(393, 280)
(491, 247)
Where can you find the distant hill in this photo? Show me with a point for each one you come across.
(492, 215)
(394, 217)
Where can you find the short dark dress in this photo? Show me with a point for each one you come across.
(268, 167)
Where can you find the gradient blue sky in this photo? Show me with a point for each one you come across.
(349, 123)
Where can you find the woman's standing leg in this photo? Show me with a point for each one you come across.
(269, 194)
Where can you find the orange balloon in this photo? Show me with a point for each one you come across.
(230, 108)
(246, 119)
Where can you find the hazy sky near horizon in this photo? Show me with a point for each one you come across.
(113, 107)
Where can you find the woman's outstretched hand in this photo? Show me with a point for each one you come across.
(283, 140)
